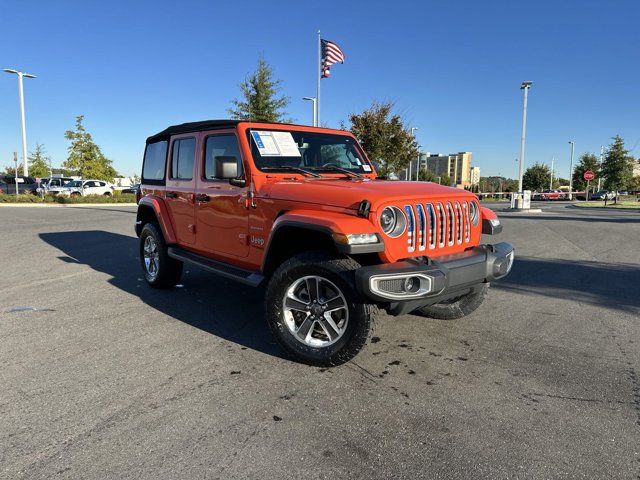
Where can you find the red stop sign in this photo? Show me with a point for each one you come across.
(589, 175)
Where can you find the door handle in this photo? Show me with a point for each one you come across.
(170, 195)
(202, 197)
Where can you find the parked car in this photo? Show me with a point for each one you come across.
(301, 209)
(132, 189)
(553, 195)
(48, 183)
(25, 184)
(536, 196)
(83, 187)
(603, 195)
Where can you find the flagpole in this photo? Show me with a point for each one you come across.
(317, 116)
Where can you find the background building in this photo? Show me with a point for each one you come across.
(457, 166)
(475, 176)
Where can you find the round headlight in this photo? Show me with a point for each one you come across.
(393, 221)
(474, 212)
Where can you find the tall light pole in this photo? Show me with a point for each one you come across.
(526, 85)
(553, 159)
(413, 129)
(315, 109)
(21, 75)
(600, 166)
(571, 170)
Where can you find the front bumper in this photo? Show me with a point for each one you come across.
(433, 280)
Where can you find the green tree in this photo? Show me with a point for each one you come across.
(39, 162)
(510, 185)
(445, 180)
(10, 170)
(536, 178)
(616, 168)
(260, 101)
(85, 156)
(588, 161)
(427, 176)
(384, 137)
(634, 185)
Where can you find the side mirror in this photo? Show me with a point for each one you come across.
(226, 167)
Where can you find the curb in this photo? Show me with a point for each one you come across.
(608, 208)
(67, 205)
(520, 211)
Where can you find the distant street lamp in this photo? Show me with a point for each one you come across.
(571, 170)
(21, 75)
(526, 85)
(315, 109)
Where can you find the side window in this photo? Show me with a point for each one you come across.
(184, 151)
(220, 146)
(102, 184)
(155, 157)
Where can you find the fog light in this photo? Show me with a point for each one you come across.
(412, 284)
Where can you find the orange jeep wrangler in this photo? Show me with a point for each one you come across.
(300, 209)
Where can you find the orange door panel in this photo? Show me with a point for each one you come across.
(180, 187)
(221, 210)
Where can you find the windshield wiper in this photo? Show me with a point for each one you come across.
(338, 169)
(291, 169)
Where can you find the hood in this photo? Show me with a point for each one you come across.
(349, 193)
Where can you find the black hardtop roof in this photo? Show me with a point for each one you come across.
(205, 125)
(192, 127)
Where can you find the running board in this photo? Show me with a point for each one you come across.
(229, 271)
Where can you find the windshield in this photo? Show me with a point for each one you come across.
(307, 150)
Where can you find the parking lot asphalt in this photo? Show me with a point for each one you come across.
(103, 377)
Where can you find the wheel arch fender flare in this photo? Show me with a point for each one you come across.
(329, 225)
(490, 221)
(152, 205)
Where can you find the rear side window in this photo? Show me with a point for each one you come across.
(184, 152)
(155, 157)
(220, 146)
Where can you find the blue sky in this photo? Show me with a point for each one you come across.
(452, 68)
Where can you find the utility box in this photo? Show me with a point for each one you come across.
(521, 201)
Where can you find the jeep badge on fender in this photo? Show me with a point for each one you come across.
(335, 244)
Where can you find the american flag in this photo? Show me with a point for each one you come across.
(331, 53)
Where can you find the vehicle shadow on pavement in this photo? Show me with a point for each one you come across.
(205, 301)
(612, 285)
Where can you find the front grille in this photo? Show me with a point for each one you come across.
(431, 226)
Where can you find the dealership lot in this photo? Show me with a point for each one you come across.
(101, 376)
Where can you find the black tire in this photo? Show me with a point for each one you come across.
(169, 270)
(457, 307)
(107, 194)
(339, 271)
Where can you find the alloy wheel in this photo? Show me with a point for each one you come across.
(315, 311)
(150, 253)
